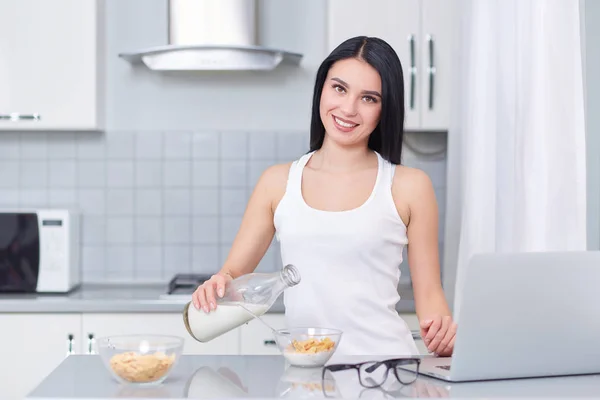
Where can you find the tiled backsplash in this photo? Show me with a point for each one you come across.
(155, 203)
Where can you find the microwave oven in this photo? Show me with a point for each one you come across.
(39, 250)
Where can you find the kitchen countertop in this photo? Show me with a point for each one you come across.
(121, 298)
(236, 377)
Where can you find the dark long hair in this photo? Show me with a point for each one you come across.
(386, 139)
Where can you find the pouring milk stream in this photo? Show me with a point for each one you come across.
(256, 292)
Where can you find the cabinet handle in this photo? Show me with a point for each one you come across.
(412, 70)
(270, 343)
(90, 346)
(70, 344)
(20, 117)
(431, 70)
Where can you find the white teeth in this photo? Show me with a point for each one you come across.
(344, 124)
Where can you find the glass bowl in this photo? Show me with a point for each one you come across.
(307, 347)
(140, 359)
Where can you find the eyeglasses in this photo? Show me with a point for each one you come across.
(372, 374)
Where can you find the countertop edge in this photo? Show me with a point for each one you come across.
(121, 299)
(269, 376)
(124, 306)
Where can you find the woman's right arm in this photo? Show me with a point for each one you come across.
(253, 238)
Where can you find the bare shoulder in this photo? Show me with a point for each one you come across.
(412, 189)
(277, 172)
(275, 176)
(411, 178)
(272, 183)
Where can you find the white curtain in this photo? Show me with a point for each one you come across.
(516, 149)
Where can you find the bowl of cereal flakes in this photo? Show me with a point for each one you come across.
(307, 347)
(140, 359)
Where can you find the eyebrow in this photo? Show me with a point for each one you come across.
(371, 92)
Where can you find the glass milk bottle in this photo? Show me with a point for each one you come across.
(256, 292)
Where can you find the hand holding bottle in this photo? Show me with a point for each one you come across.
(255, 292)
(205, 295)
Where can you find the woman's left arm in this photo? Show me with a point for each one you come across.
(415, 192)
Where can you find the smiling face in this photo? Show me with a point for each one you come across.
(351, 102)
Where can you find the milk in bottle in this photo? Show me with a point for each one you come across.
(256, 292)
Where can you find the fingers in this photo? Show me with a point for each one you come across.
(451, 345)
(428, 337)
(210, 295)
(439, 335)
(433, 330)
(205, 296)
(447, 351)
(195, 299)
(426, 323)
(221, 281)
(450, 334)
(199, 298)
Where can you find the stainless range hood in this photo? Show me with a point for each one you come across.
(212, 35)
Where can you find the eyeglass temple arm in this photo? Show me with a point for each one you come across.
(375, 366)
(336, 367)
(340, 367)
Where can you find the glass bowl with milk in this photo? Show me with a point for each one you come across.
(308, 347)
(246, 297)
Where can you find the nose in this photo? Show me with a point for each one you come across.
(348, 106)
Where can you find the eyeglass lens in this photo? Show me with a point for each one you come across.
(375, 373)
(409, 373)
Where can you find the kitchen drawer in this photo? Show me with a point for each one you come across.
(32, 346)
(256, 338)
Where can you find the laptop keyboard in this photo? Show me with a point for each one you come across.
(446, 367)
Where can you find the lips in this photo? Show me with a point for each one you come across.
(343, 124)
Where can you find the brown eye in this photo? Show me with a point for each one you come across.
(369, 99)
(339, 89)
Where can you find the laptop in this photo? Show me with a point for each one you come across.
(525, 315)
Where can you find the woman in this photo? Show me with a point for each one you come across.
(344, 211)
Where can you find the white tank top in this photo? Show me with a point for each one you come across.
(349, 262)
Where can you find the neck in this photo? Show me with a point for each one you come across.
(337, 158)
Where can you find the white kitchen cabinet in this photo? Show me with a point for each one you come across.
(257, 339)
(100, 325)
(423, 34)
(51, 65)
(32, 346)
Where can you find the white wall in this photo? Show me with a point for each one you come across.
(139, 99)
